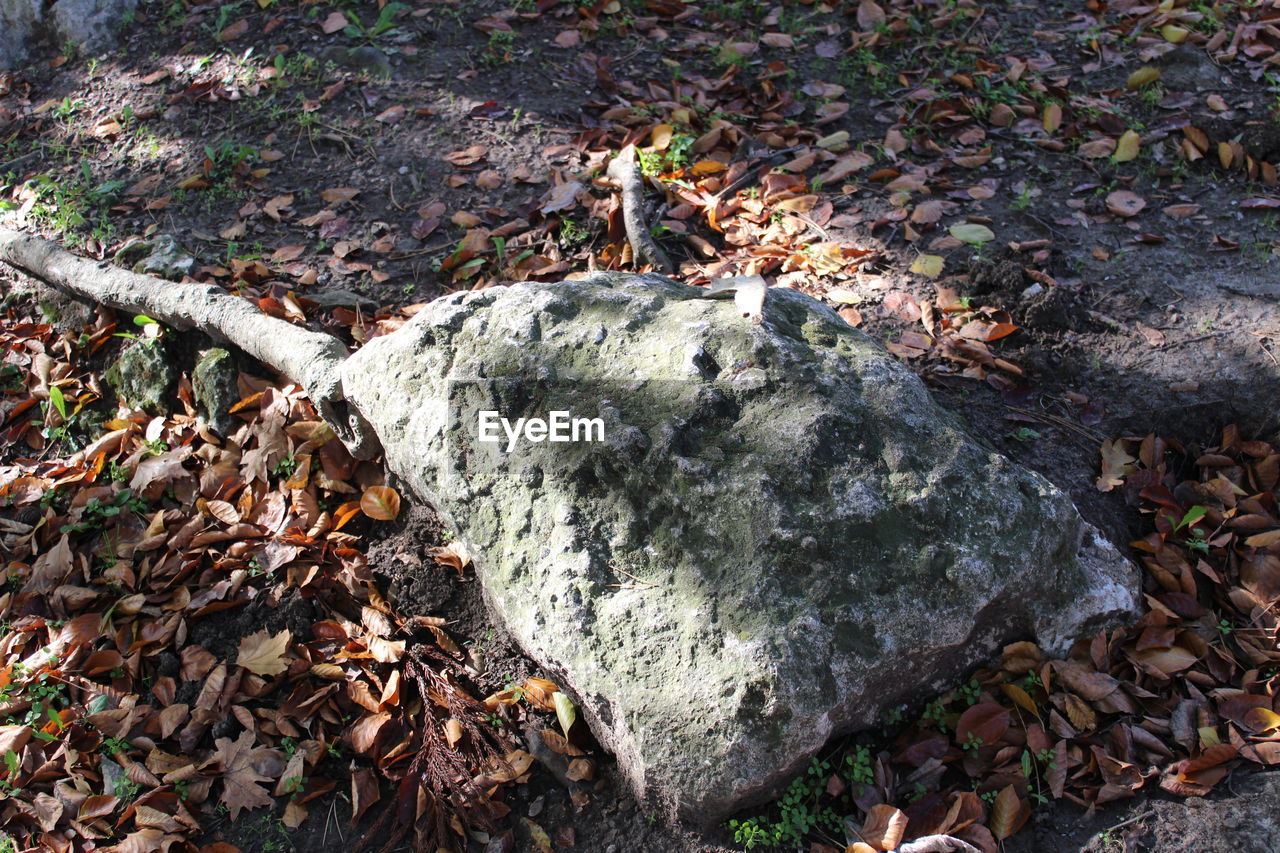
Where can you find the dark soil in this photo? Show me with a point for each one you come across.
(1138, 335)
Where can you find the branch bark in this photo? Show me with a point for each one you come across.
(311, 359)
(624, 169)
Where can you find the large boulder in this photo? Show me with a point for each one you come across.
(91, 25)
(779, 535)
(18, 22)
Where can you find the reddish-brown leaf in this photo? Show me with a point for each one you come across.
(381, 503)
(987, 722)
(1008, 814)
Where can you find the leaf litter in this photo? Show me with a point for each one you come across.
(746, 167)
(119, 542)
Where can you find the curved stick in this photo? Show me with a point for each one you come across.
(311, 359)
(626, 172)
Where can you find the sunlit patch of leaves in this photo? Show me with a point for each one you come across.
(117, 551)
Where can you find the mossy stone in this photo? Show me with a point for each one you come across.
(213, 383)
(143, 376)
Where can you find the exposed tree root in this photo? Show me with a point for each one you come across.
(624, 169)
(311, 359)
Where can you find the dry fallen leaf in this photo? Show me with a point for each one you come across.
(1116, 465)
(234, 31)
(243, 767)
(337, 195)
(1125, 203)
(970, 232)
(263, 654)
(1127, 147)
(381, 503)
(928, 265)
(333, 23)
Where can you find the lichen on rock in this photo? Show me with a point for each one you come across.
(160, 255)
(779, 535)
(213, 384)
(143, 375)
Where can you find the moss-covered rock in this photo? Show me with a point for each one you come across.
(779, 536)
(160, 255)
(213, 383)
(143, 376)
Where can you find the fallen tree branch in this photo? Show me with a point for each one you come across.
(311, 359)
(624, 169)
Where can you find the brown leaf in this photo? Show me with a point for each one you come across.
(336, 195)
(391, 114)
(557, 742)
(98, 805)
(511, 766)
(274, 207)
(364, 793)
(196, 663)
(336, 21)
(466, 156)
(884, 827)
(987, 722)
(1052, 118)
(1155, 337)
(869, 14)
(1097, 148)
(1008, 814)
(381, 503)
(234, 31)
(1116, 464)
(364, 733)
(1169, 661)
(243, 767)
(1124, 203)
(262, 654)
(581, 770)
(1079, 712)
(561, 196)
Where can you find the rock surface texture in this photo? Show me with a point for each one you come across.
(142, 376)
(780, 535)
(18, 22)
(92, 25)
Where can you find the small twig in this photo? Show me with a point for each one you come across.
(427, 251)
(822, 232)
(1045, 225)
(1054, 420)
(391, 193)
(624, 169)
(647, 584)
(1267, 350)
(1009, 137)
(18, 161)
(753, 172)
(1196, 339)
(1133, 819)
